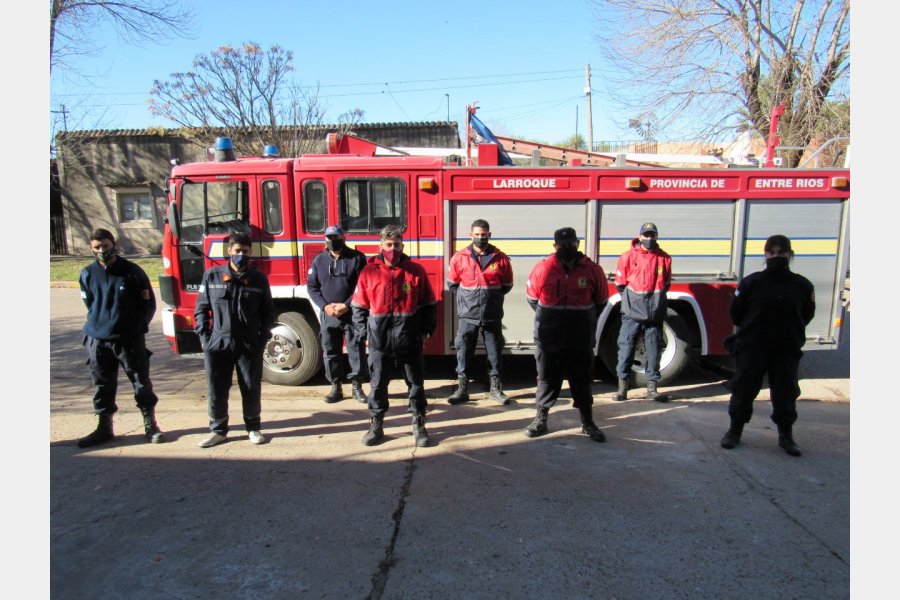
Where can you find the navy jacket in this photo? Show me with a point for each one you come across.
(333, 279)
(234, 312)
(119, 299)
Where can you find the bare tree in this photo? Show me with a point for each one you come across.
(72, 23)
(717, 64)
(246, 94)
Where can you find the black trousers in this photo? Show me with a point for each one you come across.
(466, 340)
(220, 367)
(752, 366)
(575, 365)
(333, 333)
(381, 364)
(104, 358)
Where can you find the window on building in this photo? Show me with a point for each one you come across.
(135, 206)
(315, 213)
(367, 205)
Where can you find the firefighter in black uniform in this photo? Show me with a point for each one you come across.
(121, 305)
(771, 309)
(234, 316)
(332, 279)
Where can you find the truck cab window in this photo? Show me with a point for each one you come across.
(314, 207)
(367, 205)
(271, 196)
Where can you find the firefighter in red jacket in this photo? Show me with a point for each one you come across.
(395, 309)
(643, 277)
(481, 275)
(567, 291)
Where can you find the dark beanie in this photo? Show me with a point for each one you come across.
(779, 240)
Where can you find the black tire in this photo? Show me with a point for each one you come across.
(293, 355)
(676, 341)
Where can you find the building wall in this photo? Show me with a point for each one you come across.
(99, 170)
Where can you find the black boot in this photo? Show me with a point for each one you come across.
(420, 434)
(357, 392)
(462, 391)
(622, 394)
(786, 440)
(103, 433)
(376, 430)
(496, 392)
(732, 437)
(336, 394)
(539, 425)
(151, 429)
(653, 394)
(587, 425)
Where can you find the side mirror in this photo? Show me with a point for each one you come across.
(172, 220)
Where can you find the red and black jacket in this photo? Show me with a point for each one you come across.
(643, 277)
(394, 307)
(566, 305)
(480, 290)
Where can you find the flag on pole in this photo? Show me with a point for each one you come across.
(485, 134)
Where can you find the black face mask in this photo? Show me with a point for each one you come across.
(335, 245)
(777, 263)
(648, 244)
(566, 253)
(480, 242)
(104, 255)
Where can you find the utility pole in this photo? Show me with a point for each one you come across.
(590, 120)
(448, 107)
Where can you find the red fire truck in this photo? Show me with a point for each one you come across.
(713, 222)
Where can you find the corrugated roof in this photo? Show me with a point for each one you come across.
(173, 132)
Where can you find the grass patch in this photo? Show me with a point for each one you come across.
(68, 268)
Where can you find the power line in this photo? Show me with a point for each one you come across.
(379, 83)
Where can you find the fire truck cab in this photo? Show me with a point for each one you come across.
(713, 222)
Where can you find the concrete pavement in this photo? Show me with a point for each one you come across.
(659, 511)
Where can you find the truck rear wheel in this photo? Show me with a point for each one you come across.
(292, 356)
(673, 358)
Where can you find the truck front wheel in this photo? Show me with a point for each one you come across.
(292, 355)
(673, 356)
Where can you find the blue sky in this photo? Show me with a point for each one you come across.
(396, 60)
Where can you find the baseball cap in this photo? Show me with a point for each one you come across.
(566, 234)
(648, 227)
(334, 230)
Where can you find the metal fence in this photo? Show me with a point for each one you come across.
(620, 146)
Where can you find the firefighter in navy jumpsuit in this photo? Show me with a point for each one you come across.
(234, 316)
(567, 291)
(771, 309)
